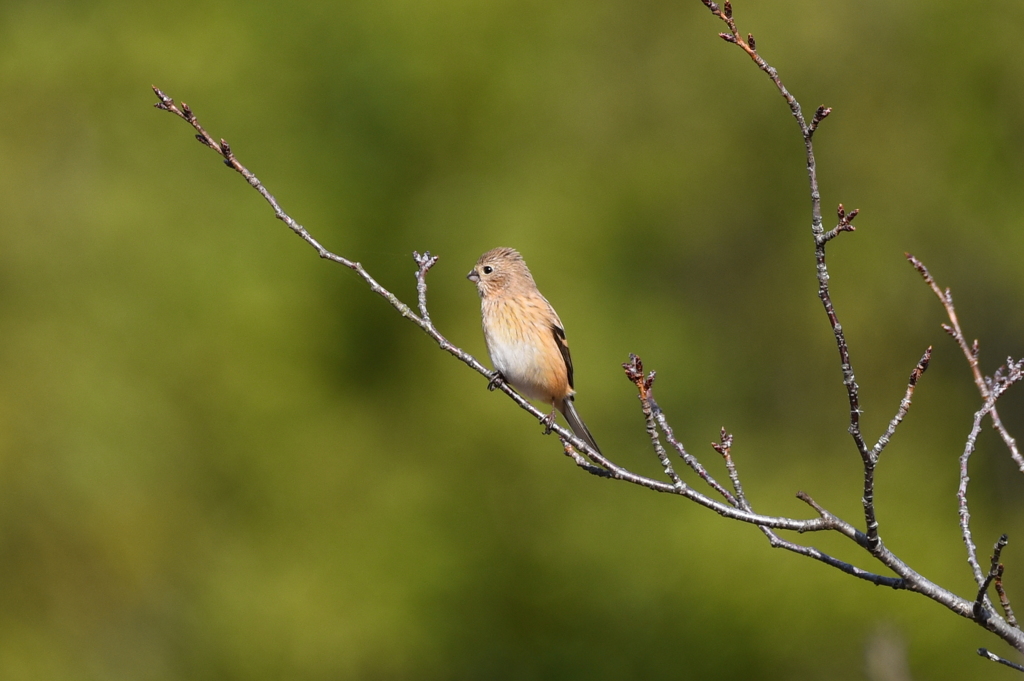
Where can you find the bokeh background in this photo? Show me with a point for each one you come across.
(222, 458)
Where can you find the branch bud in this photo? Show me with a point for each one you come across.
(634, 368)
(750, 41)
(727, 37)
(165, 102)
(424, 260)
(725, 445)
(727, 9)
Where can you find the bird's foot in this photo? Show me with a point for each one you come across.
(549, 421)
(496, 380)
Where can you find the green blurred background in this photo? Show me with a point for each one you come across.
(222, 458)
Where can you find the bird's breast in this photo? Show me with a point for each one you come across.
(522, 347)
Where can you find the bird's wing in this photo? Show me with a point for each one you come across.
(563, 346)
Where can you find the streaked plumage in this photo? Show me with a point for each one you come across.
(525, 337)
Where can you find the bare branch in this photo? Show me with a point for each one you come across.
(984, 652)
(872, 460)
(691, 461)
(634, 369)
(915, 376)
(736, 505)
(845, 223)
(654, 417)
(871, 540)
(907, 579)
(820, 114)
(166, 103)
(1004, 377)
(961, 496)
(811, 552)
(733, 36)
(724, 447)
(1004, 602)
(994, 572)
(970, 353)
(582, 462)
(821, 238)
(424, 263)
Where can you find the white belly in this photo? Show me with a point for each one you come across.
(521, 364)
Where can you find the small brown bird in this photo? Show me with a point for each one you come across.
(524, 335)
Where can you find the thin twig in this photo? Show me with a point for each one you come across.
(821, 238)
(961, 494)
(724, 447)
(904, 407)
(736, 506)
(690, 460)
(1004, 602)
(994, 572)
(634, 369)
(984, 652)
(655, 418)
(582, 462)
(871, 463)
(845, 223)
(424, 263)
(970, 353)
(1003, 378)
(750, 47)
(811, 552)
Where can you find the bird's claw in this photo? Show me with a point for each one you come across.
(496, 380)
(548, 422)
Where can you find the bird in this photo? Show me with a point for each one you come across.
(525, 338)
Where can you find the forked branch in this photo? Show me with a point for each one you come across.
(971, 353)
(588, 459)
(735, 504)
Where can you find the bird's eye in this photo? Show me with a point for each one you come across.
(488, 269)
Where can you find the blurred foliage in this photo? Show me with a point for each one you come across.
(221, 458)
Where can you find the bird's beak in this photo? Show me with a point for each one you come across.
(473, 276)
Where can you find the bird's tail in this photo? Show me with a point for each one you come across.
(577, 425)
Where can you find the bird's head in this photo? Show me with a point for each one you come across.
(499, 270)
